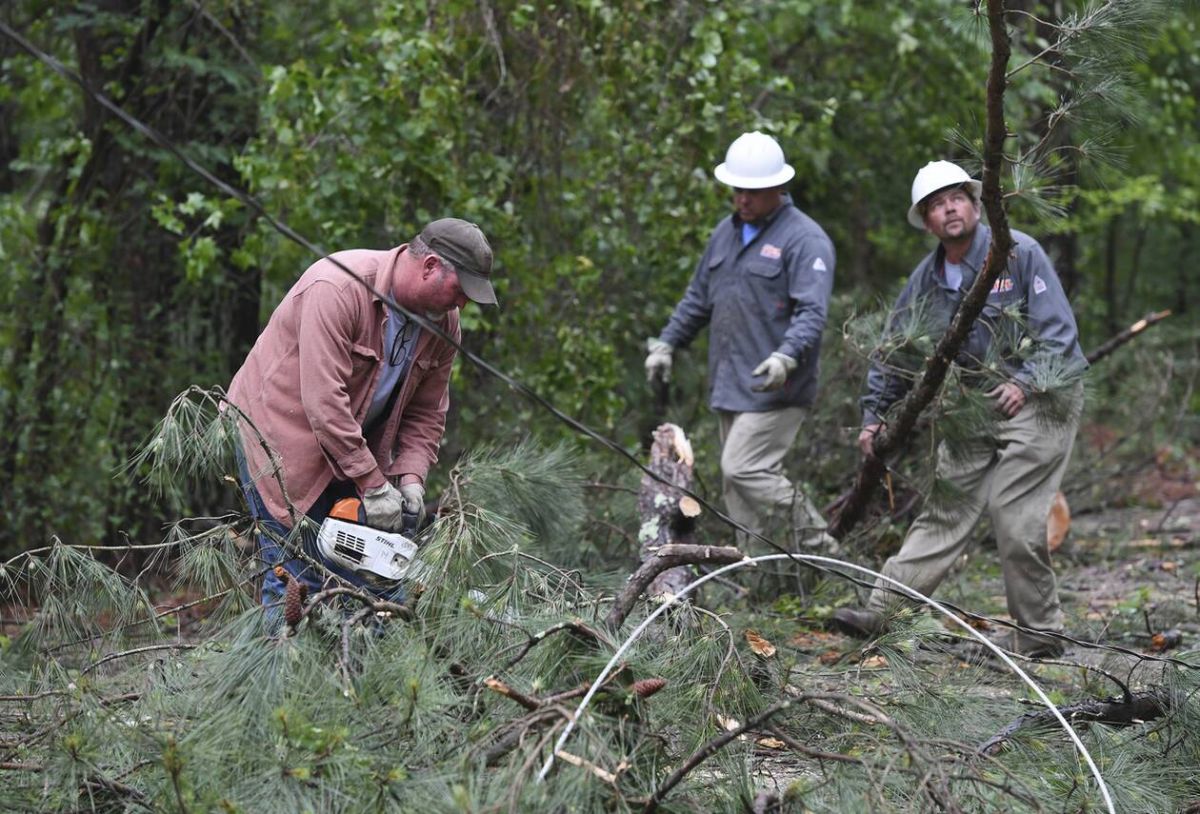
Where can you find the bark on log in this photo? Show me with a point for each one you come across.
(665, 559)
(667, 515)
(668, 521)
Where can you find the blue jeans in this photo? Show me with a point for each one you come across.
(272, 532)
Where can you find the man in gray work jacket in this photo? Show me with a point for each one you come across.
(1013, 474)
(763, 285)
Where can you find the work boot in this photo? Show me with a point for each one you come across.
(1051, 649)
(861, 623)
(1013, 642)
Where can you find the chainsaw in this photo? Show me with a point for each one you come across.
(381, 558)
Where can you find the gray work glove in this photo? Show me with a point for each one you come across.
(414, 501)
(658, 362)
(385, 508)
(776, 368)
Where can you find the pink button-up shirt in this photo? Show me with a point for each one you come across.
(308, 381)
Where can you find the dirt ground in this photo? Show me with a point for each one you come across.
(1126, 575)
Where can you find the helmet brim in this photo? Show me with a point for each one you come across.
(785, 174)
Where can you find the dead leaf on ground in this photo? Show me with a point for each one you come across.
(808, 639)
(874, 662)
(759, 645)
(771, 743)
(830, 657)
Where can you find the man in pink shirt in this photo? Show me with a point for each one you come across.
(345, 396)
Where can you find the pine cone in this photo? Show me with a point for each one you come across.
(648, 686)
(293, 601)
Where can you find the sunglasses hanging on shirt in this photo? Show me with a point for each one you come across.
(404, 335)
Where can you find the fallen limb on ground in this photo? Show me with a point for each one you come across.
(1135, 708)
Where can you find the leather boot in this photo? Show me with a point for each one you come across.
(860, 623)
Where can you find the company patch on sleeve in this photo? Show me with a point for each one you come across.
(771, 251)
(818, 265)
(1039, 285)
(1003, 285)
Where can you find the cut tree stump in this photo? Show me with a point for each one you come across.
(1059, 521)
(668, 516)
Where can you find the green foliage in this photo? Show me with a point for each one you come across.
(581, 136)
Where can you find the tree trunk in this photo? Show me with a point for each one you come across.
(1111, 320)
(667, 515)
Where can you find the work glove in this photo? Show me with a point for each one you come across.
(658, 362)
(414, 501)
(776, 368)
(384, 506)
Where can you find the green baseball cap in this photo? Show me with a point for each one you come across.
(462, 244)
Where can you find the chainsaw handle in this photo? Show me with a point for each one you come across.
(352, 509)
(408, 522)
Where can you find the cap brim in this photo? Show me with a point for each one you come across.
(477, 287)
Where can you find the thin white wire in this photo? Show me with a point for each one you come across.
(671, 599)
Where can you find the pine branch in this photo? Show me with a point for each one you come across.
(373, 603)
(344, 662)
(1140, 708)
(666, 557)
(575, 626)
(708, 750)
(497, 686)
(136, 651)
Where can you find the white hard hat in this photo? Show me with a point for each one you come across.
(934, 176)
(754, 161)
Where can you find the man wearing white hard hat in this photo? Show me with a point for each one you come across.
(1027, 333)
(763, 286)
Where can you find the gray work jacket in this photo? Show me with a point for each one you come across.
(769, 295)
(1028, 302)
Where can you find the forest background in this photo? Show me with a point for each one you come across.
(136, 671)
(581, 136)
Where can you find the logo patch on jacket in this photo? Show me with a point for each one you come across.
(1002, 286)
(771, 251)
(818, 265)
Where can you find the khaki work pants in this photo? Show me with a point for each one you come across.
(1014, 477)
(754, 486)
